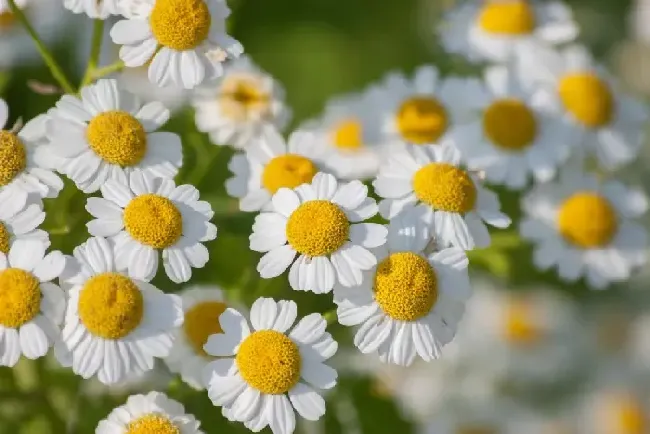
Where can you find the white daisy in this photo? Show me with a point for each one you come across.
(149, 215)
(321, 223)
(430, 178)
(273, 371)
(115, 323)
(607, 122)
(271, 164)
(235, 109)
(31, 306)
(495, 30)
(150, 413)
(185, 40)
(20, 223)
(96, 9)
(511, 136)
(584, 227)
(107, 134)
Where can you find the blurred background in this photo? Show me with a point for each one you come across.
(532, 355)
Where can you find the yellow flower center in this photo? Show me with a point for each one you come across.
(515, 17)
(180, 24)
(5, 237)
(110, 306)
(587, 220)
(7, 19)
(20, 297)
(288, 171)
(509, 124)
(13, 158)
(629, 417)
(152, 423)
(406, 286)
(153, 220)
(317, 228)
(240, 97)
(587, 98)
(348, 135)
(422, 120)
(445, 187)
(201, 321)
(269, 362)
(117, 138)
(520, 326)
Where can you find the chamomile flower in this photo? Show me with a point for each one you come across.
(512, 137)
(149, 215)
(320, 222)
(410, 304)
(585, 227)
(96, 9)
(271, 164)
(31, 306)
(495, 30)
(115, 323)
(235, 110)
(607, 122)
(150, 413)
(20, 223)
(430, 179)
(106, 135)
(184, 41)
(265, 373)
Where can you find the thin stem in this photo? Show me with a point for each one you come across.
(49, 60)
(106, 70)
(330, 316)
(95, 51)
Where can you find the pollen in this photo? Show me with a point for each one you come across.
(520, 324)
(242, 98)
(507, 17)
(445, 187)
(117, 138)
(152, 423)
(180, 25)
(20, 297)
(13, 158)
(269, 361)
(202, 321)
(289, 171)
(5, 238)
(422, 120)
(588, 98)
(153, 220)
(510, 124)
(587, 220)
(317, 228)
(406, 286)
(348, 135)
(110, 306)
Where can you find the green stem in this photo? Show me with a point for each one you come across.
(49, 60)
(330, 316)
(103, 72)
(95, 51)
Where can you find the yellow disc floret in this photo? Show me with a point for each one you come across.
(288, 171)
(117, 138)
(201, 321)
(20, 297)
(5, 237)
(243, 98)
(520, 325)
(445, 187)
(509, 124)
(406, 286)
(588, 98)
(628, 416)
(180, 24)
(587, 220)
(152, 423)
(509, 17)
(348, 135)
(13, 158)
(317, 228)
(153, 220)
(110, 306)
(422, 120)
(269, 362)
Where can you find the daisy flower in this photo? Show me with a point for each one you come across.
(185, 41)
(511, 136)
(585, 227)
(115, 323)
(271, 164)
(409, 304)
(606, 121)
(20, 223)
(266, 373)
(235, 110)
(31, 306)
(106, 135)
(150, 413)
(453, 199)
(495, 30)
(148, 215)
(321, 223)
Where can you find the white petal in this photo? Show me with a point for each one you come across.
(263, 313)
(153, 116)
(307, 402)
(221, 344)
(324, 185)
(128, 32)
(275, 262)
(33, 341)
(104, 227)
(372, 334)
(320, 274)
(285, 201)
(26, 254)
(287, 312)
(232, 322)
(176, 265)
(318, 374)
(280, 414)
(368, 235)
(50, 267)
(10, 349)
(103, 209)
(309, 329)
(192, 69)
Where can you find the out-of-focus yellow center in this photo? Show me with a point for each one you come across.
(625, 415)
(587, 220)
(7, 20)
(445, 187)
(20, 297)
(348, 135)
(509, 124)
(202, 321)
(117, 137)
(588, 98)
(507, 17)
(180, 24)
(317, 228)
(520, 324)
(242, 98)
(288, 171)
(152, 423)
(422, 120)
(153, 220)
(13, 158)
